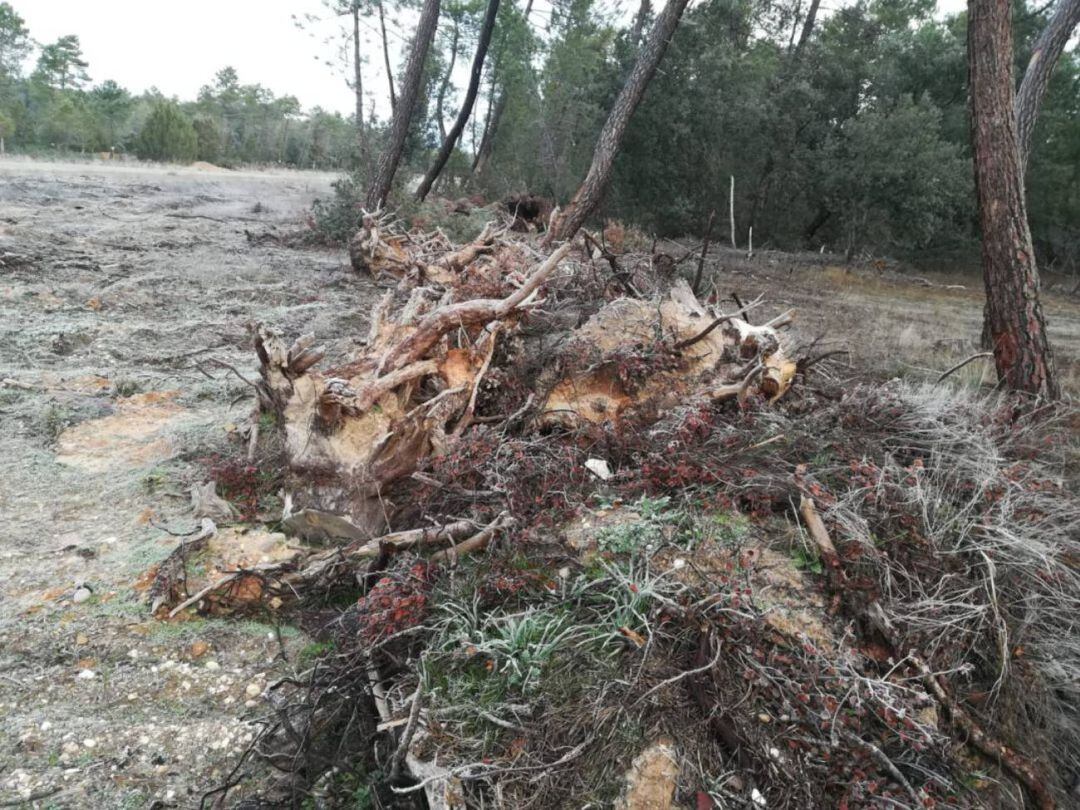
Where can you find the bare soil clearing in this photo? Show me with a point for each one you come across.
(114, 283)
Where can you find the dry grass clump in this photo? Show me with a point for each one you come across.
(965, 521)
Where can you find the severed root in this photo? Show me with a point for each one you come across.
(373, 251)
(234, 587)
(435, 325)
(171, 576)
(446, 269)
(317, 567)
(477, 542)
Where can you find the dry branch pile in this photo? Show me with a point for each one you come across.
(665, 643)
(417, 386)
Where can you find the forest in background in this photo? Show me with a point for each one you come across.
(848, 131)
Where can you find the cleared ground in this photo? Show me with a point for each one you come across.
(114, 283)
(118, 287)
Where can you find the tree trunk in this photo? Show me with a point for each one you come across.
(644, 10)
(386, 58)
(807, 30)
(781, 126)
(399, 128)
(466, 106)
(592, 190)
(441, 98)
(1013, 313)
(487, 140)
(358, 87)
(495, 112)
(1048, 49)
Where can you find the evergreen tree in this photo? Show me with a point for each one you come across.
(61, 66)
(15, 42)
(167, 135)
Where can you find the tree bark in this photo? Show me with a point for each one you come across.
(441, 98)
(358, 86)
(467, 105)
(807, 30)
(487, 140)
(399, 129)
(386, 57)
(592, 190)
(1014, 316)
(1048, 49)
(495, 112)
(644, 10)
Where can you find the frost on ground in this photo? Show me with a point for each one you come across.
(116, 285)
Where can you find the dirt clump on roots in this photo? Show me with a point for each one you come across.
(572, 534)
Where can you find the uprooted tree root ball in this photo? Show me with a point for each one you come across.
(713, 574)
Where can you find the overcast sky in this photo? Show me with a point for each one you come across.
(178, 47)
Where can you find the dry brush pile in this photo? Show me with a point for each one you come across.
(714, 575)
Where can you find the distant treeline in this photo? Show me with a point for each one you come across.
(848, 129)
(56, 107)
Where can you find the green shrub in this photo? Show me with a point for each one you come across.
(167, 135)
(335, 219)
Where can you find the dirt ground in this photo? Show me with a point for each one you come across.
(118, 286)
(114, 283)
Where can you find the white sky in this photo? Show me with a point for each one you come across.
(179, 46)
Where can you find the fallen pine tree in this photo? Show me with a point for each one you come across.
(635, 459)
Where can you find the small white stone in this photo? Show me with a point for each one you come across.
(46, 725)
(254, 689)
(87, 674)
(81, 595)
(212, 665)
(89, 742)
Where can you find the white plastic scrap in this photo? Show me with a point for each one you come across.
(599, 468)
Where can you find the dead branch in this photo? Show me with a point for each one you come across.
(612, 260)
(886, 763)
(214, 586)
(475, 543)
(704, 333)
(696, 286)
(963, 363)
(470, 409)
(1012, 761)
(172, 571)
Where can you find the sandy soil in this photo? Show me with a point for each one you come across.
(115, 282)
